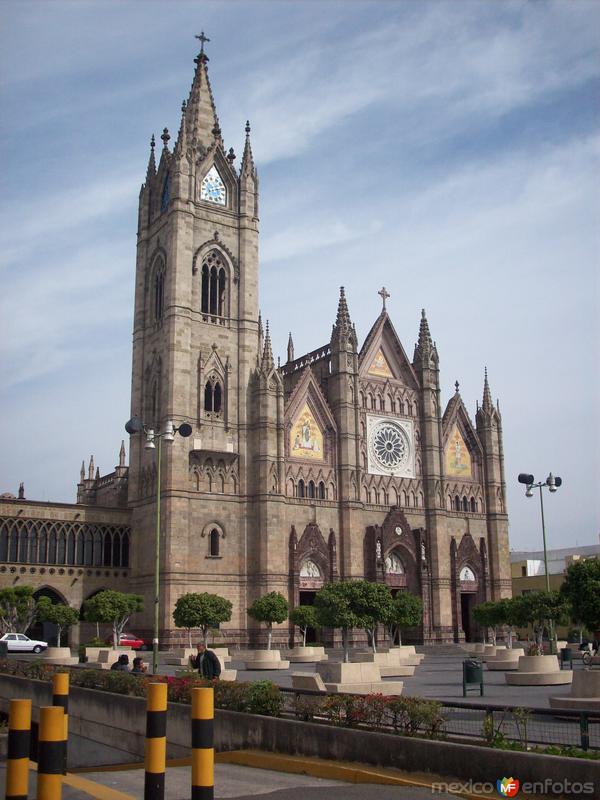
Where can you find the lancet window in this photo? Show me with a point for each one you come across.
(214, 299)
(213, 398)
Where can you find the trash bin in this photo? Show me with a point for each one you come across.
(472, 675)
(566, 657)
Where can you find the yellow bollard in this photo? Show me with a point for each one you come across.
(203, 752)
(60, 697)
(50, 751)
(17, 759)
(156, 742)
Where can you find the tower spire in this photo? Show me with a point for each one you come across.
(91, 469)
(487, 404)
(290, 349)
(343, 330)
(122, 454)
(267, 363)
(247, 166)
(201, 122)
(151, 171)
(82, 473)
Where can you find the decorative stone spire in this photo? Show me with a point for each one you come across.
(97, 476)
(248, 167)
(343, 330)
(261, 338)
(151, 171)
(165, 138)
(425, 346)
(82, 473)
(91, 469)
(122, 454)
(200, 115)
(290, 349)
(21, 491)
(267, 363)
(487, 404)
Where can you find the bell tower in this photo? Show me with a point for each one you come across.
(195, 346)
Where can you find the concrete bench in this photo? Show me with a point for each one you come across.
(307, 681)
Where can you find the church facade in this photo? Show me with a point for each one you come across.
(338, 464)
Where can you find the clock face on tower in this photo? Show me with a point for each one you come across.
(212, 188)
(390, 446)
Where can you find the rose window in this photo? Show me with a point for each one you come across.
(390, 446)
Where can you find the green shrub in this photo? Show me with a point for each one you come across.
(264, 698)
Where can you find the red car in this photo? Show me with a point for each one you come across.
(132, 641)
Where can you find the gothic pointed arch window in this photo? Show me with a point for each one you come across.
(214, 291)
(457, 503)
(165, 196)
(3, 542)
(473, 505)
(214, 543)
(213, 397)
(301, 492)
(321, 490)
(159, 292)
(311, 489)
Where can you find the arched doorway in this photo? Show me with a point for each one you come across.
(47, 631)
(468, 600)
(311, 579)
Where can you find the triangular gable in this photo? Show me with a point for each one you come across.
(307, 419)
(460, 440)
(382, 338)
(380, 367)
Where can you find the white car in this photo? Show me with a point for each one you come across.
(19, 643)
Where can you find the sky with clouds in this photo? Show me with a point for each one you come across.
(446, 150)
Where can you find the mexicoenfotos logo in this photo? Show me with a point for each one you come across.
(507, 787)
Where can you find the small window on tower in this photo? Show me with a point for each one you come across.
(213, 398)
(164, 198)
(214, 543)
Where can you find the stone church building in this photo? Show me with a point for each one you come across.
(340, 463)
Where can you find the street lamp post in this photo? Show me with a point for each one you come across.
(154, 442)
(552, 483)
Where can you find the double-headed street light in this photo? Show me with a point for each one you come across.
(153, 442)
(552, 483)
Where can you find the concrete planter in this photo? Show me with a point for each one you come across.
(306, 655)
(265, 659)
(59, 656)
(505, 660)
(356, 678)
(585, 692)
(538, 671)
(391, 664)
(407, 654)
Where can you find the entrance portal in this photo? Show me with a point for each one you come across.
(307, 598)
(466, 614)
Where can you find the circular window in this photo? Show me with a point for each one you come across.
(389, 445)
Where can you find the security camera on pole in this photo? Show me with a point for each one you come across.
(552, 483)
(133, 426)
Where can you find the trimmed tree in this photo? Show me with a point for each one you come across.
(270, 608)
(372, 603)
(17, 609)
(543, 610)
(59, 614)
(406, 611)
(304, 617)
(489, 615)
(201, 610)
(353, 604)
(114, 608)
(581, 589)
(334, 609)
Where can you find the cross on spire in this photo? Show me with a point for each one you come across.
(384, 296)
(202, 38)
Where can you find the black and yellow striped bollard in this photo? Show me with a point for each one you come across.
(203, 752)
(17, 758)
(156, 741)
(60, 697)
(50, 753)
